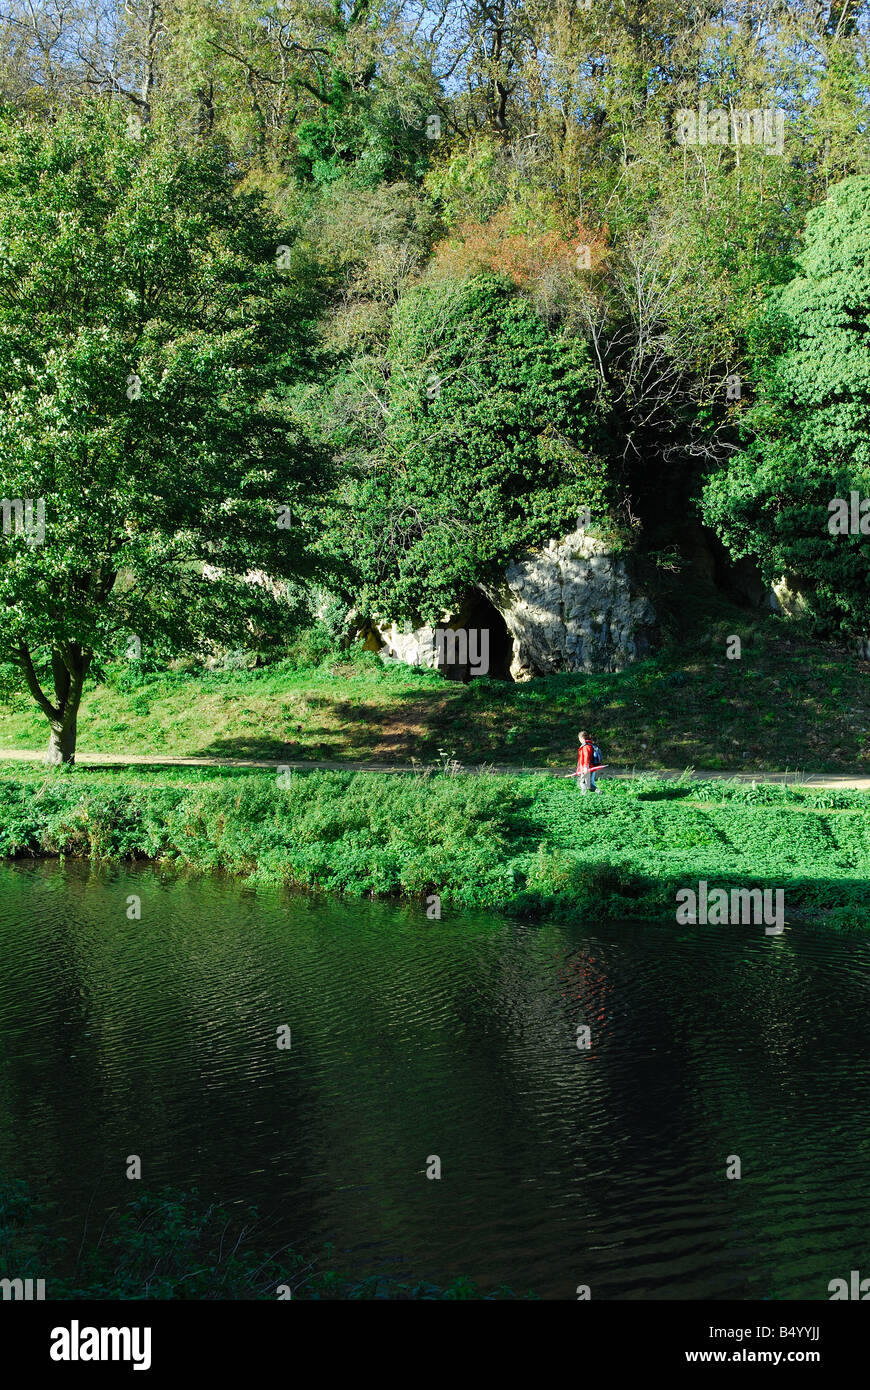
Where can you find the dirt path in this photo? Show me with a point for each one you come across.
(108, 760)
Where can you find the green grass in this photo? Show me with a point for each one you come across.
(528, 846)
(789, 703)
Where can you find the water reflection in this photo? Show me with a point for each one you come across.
(561, 1165)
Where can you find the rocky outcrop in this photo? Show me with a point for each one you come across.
(786, 600)
(571, 606)
(568, 606)
(415, 646)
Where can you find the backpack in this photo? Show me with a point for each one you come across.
(597, 756)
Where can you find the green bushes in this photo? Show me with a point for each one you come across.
(347, 832)
(523, 845)
(807, 436)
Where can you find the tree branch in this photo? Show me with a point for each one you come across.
(26, 662)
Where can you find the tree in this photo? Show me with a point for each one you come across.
(148, 333)
(486, 436)
(317, 86)
(809, 431)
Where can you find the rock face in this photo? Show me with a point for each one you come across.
(570, 606)
(784, 599)
(413, 646)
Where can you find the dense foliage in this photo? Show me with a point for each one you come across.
(809, 432)
(144, 329)
(525, 845)
(491, 440)
(498, 263)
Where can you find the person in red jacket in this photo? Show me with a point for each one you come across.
(585, 762)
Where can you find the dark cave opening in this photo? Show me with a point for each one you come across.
(482, 646)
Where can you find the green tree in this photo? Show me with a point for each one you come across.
(147, 336)
(809, 430)
(317, 86)
(485, 437)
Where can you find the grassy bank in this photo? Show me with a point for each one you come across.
(527, 846)
(788, 703)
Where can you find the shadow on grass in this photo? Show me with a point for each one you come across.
(665, 794)
(373, 730)
(598, 891)
(536, 722)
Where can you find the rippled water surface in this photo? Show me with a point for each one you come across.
(457, 1038)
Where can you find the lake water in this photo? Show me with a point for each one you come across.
(458, 1038)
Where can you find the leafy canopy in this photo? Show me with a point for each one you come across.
(147, 334)
(810, 428)
(492, 441)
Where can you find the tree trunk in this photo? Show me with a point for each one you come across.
(69, 669)
(61, 744)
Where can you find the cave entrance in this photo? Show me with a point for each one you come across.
(481, 646)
